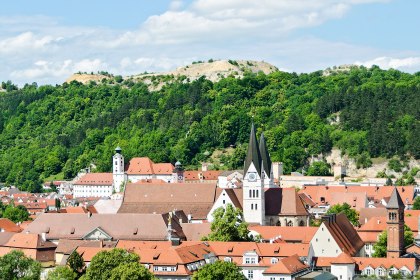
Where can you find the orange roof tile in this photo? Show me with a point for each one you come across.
(288, 234)
(372, 192)
(194, 175)
(101, 179)
(378, 224)
(9, 226)
(289, 265)
(343, 258)
(387, 263)
(145, 166)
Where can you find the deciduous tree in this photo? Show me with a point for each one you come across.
(228, 225)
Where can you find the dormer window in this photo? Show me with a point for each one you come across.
(274, 260)
(227, 259)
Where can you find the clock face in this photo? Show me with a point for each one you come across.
(180, 177)
(252, 176)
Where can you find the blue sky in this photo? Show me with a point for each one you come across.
(46, 41)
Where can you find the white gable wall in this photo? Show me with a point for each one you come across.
(323, 243)
(222, 201)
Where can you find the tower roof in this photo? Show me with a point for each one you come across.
(266, 161)
(253, 154)
(118, 149)
(395, 202)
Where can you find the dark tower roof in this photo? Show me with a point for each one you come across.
(265, 156)
(118, 150)
(395, 202)
(253, 154)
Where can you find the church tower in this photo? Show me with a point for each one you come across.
(266, 165)
(178, 173)
(118, 170)
(253, 183)
(395, 225)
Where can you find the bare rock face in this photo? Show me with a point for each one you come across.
(86, 78)
(212, 70)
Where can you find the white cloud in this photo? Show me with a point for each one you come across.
(26, 41)
(41, 49)
(390, 62)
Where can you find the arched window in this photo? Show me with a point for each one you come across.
(252, 206)
(257, 193)
(301, 223)
(253, 193)
(278, 223)
(250, 193)
(289, 224)
(256, 206)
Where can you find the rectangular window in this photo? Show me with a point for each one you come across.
(256, 208)
(247, 260)
(250, 274)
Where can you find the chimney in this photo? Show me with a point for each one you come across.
(378, 221)
(101, 244)
(189, 218)
(89, 214)
(44, 236)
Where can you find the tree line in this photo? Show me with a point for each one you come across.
(49, 130)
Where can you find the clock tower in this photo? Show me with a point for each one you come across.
(253, 183)
(178, 173)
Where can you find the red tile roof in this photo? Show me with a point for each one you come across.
(343, 258)
(101, 179)
(288, 234)
(378, 224)
(194, 175)
(9, 226)
(289, 265)
(145, 166)
(343, 233)
(372, 192)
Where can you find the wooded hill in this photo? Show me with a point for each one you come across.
(60, 129)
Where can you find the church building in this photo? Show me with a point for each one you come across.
(264, 202)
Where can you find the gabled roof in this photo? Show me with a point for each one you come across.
(343, 258)
(289, 265)
(253, 154)
(343, 233)
(287, 234)
(283, 201)
(9, 226)
(101, 179)
(119, 226)
(395, 202)
(195, 199)
(265, 156)
(145, 166)
(28, 241)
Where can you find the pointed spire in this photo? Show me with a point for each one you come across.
(253, 154)
(266, 161)
(395, 202)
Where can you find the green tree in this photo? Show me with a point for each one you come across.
(380, 247)
(104, 262)
(319, 168)
(76, 263)
(62, 273)
(16, 266)
(131, 271)
(219, 270)
(16, 214)
(416, 204)
(351, 214)
(228, 225)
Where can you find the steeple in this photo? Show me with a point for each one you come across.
(395, 202)
(253, 154)
(395, 225)
(266, 161)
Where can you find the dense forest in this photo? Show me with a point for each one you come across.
(47, 130)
